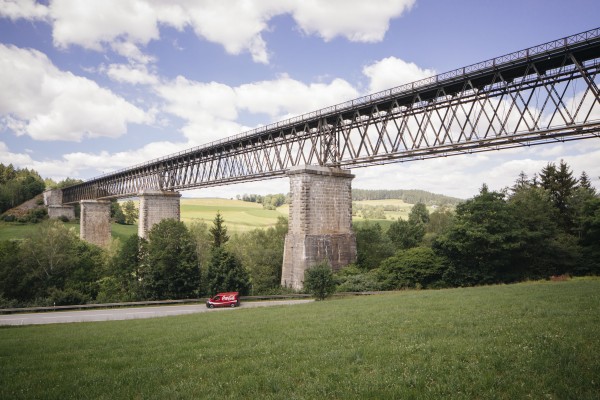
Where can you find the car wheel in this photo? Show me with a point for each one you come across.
(211, 306)
(232, 305)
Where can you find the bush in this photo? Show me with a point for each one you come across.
(9, 218)
(358, 282)
(37, 214)
(67, 297)
(319, 281)
(418, 267)
(63, 218)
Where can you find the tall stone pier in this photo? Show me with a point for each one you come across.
(320, 222)
(95, 222)
(156, 205)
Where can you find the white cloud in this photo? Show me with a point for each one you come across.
(287, 97)
(79, 164)
(211, 110)
(48, 104)
(191, 100)
(136, 74)
(356, 20)
(122, 23)
(237, 25)
(23, 9)
(391, 71)
(109, 162)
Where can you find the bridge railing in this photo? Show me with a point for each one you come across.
(446, 77)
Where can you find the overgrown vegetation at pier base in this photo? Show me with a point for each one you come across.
(527, 340)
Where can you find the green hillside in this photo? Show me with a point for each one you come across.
(240, 216)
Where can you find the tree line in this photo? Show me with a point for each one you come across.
(410, 196)
(52, 266)
(544, 226)
(18, 185)
(269, 201)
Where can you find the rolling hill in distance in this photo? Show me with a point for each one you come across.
(383, 206)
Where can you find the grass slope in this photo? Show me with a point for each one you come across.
(531, 340)
(240, 216)
(13, 230)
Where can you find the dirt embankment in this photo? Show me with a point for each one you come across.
(23, 209)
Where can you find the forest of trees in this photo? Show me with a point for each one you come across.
(544, 226)
(408, 196)
(269, 201)
(541, 227)
(17, 186)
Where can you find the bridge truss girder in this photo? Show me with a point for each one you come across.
(520, 99)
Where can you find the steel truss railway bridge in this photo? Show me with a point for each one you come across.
(544, 94)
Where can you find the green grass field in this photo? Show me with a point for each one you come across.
(240, 216)
(11, 231)
(533, 340)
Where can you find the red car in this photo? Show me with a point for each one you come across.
(226, 299)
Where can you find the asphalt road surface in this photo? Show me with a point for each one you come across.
(115, 314)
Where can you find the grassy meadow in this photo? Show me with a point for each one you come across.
(403, 208)
(240, 216)
(531, 340)
(15, 230)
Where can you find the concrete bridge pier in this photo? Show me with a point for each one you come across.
(95, 222)
(156, 205)
(320, 222)
(54, 200)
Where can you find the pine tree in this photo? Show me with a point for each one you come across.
(560, 184)
(219, 231)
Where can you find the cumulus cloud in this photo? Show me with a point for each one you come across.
(135, 74)
(49, 104)
(211, 110)
(79, 164)
(237, 25)
(391, 71)
(124, 24)
(23, 9)
(356, 20)
(287, 97)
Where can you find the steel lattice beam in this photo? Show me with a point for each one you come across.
(543, 94)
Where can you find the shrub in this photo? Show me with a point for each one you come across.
(9, 218)
(67, 297)
(319, 281)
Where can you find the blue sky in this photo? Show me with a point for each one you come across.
(88, 87)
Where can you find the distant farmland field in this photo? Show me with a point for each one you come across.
(240, 216)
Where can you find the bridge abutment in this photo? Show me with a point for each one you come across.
(156, 205)
(320, 222)
(95, 222)
(54, 200)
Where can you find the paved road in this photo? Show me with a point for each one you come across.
(114, 314)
